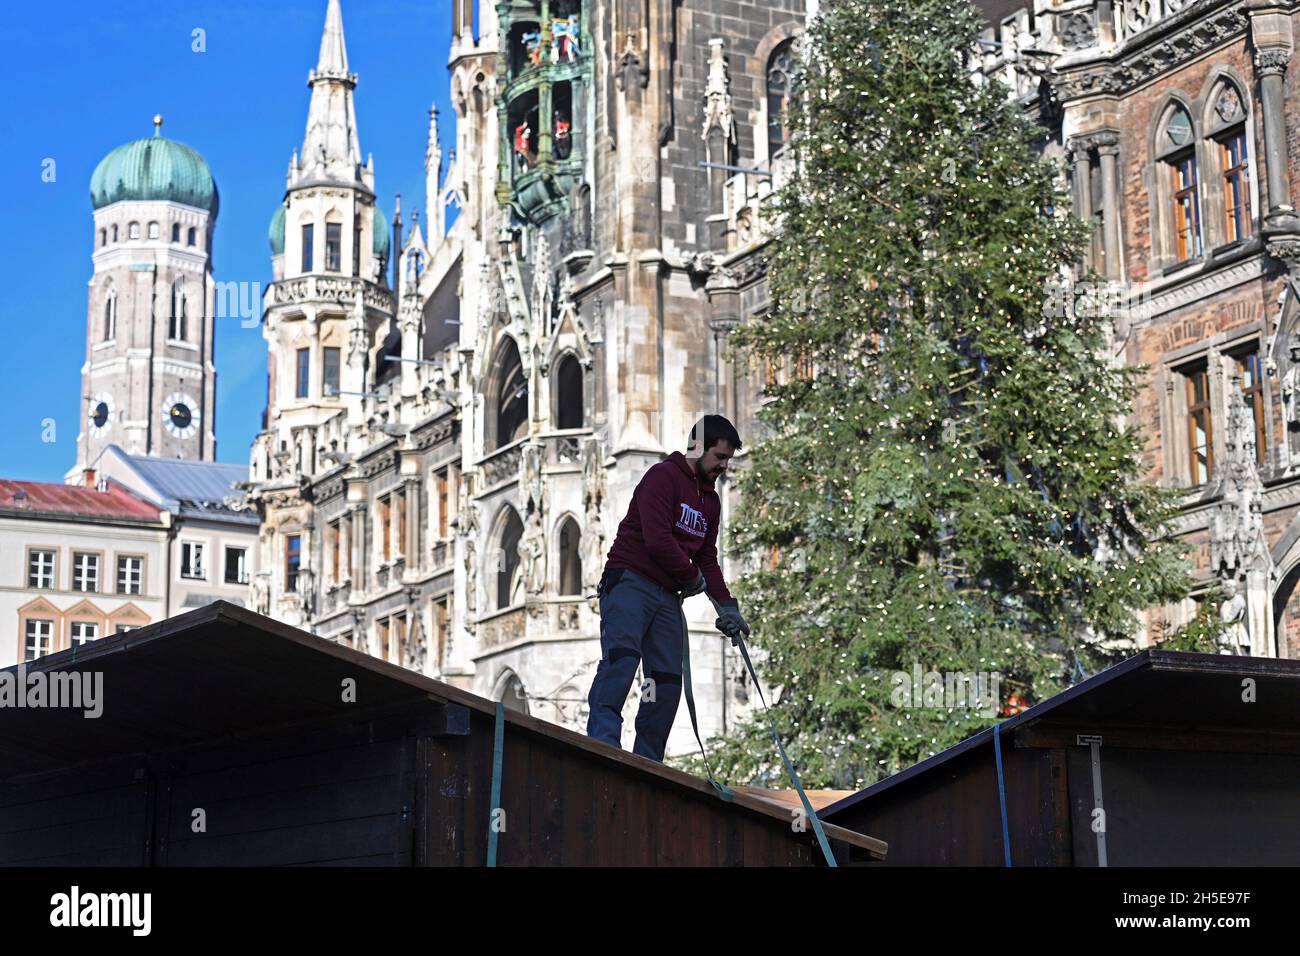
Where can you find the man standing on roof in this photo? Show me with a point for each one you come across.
(665, 550)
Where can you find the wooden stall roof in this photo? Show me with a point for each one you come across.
(1172, 690)
(221, 673)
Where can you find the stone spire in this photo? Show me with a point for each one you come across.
(331, 150)
(433, 178)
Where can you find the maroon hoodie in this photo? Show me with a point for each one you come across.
(670, 533)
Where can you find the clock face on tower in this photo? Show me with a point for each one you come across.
(101, 414)
(181, 415)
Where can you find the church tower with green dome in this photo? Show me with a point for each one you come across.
(149, 383)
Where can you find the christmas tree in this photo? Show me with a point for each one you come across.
(944, 481)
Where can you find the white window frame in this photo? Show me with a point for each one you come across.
(92, 572)
(47, 637)
(81, 639)
(139, 574)
(202, 574)
(241, 578)
(45, 577)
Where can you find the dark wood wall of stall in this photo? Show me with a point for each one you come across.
(1169, 799)
(565, 806)
(950, 816)
(393, 790)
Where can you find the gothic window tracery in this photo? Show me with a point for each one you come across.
(1228, 149)
(514, 696)
(511, 397)
(510, 578)
(780, 86)
(568, 397)
(570, 558)
(1246, 367)
(1180, 189)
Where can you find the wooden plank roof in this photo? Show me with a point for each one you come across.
(223, 673)
(1174, 691)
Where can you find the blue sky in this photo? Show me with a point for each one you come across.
(86, 77)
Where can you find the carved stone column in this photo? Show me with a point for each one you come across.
(1270, 67)
(1082, 159)
(344, 573)
(414, 553)
(357, 542)
(1108, 150)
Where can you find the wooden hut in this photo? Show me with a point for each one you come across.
(227, 738)
(1165, 759)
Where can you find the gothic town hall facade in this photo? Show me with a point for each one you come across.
(457, 415)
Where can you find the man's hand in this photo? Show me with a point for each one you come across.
(731, 623)
(696, 588)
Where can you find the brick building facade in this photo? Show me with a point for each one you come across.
(1175, 121)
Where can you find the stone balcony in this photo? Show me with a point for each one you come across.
(565, 449)
(329, 289)
(749, 199)
(502, 627)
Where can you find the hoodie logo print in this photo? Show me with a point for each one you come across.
(692, 521)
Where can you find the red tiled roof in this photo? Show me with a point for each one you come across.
(49, 498)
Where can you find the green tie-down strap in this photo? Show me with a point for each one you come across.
(498, 748)
(723, 791)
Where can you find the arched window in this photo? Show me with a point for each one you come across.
(1230, 154)
(110, 315)
(176, 232)
(189, 241)
(176, 327)
(510, 577)
(103, 237)
(115, 232)
(568, 393)
(780, 80)
(308, 235)
(511, 397)
(1176, 149)
(570, 558)
(153, 230)
(133, 231)
(333, 242)
(513, 695)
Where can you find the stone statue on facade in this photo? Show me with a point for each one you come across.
(1233, 615)
(532, 553)
(415, 646)
(469, 514)
(593, 474)
(1291, 386)
(533, 488)
(592, 551)
(306, 588)
(261, 594)
(1239, 550)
